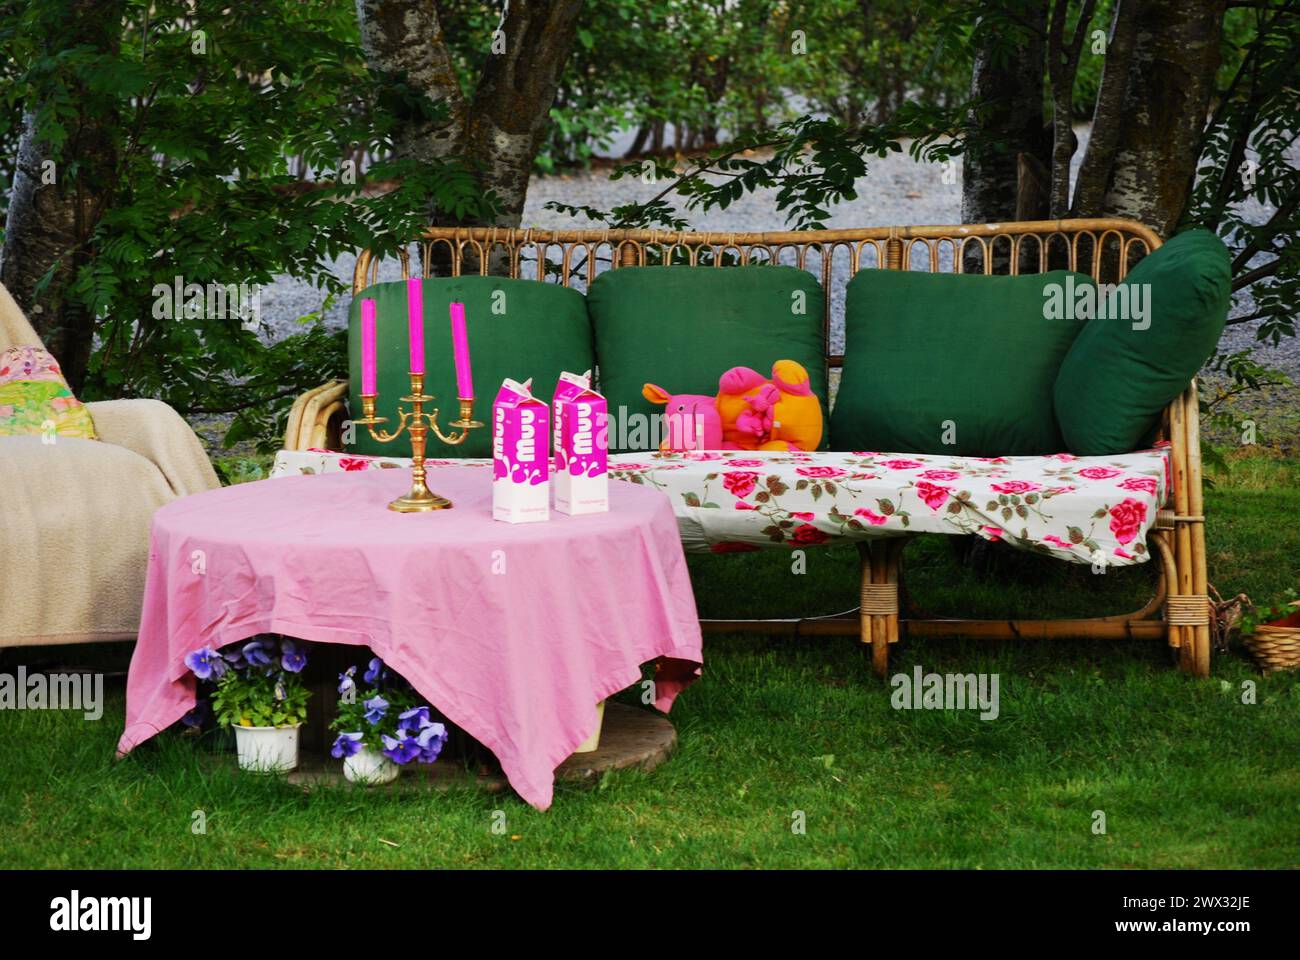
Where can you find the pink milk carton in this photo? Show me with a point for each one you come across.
(520, 440)
(569, 386)
(582, 457)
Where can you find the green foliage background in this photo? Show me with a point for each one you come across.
(233, 125)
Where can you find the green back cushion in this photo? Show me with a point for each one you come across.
(951, 363)
(683, 327)
(517, 328)
(1127, 365)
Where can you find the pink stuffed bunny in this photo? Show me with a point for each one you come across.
(691, 420)
(750, 412)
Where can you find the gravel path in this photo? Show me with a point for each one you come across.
(897, 191)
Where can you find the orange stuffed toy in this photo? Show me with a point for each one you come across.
(760, 414)
(749, 412)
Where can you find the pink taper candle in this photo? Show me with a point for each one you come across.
(368, 347)
(460, 349)
(415, 312)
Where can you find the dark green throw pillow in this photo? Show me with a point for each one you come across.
(683, 327)
(517, 328)
(1158, 328)
(952, 363)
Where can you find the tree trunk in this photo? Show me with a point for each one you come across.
(638, 142)
(1063, 67)
(1008, 148)
(513, 102)
(50, 223)
(500, 131)
(1009, 123)
(1108, 113)
(404, 38)
(1170, 81)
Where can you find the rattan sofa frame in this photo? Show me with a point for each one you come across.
(1179, 611)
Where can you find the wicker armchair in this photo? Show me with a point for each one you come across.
(75, 515)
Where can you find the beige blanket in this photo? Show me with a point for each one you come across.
(75, 514)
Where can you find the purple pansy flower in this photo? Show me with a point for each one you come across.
(375, 672)
(255, 653)
(401, 749)
(376, 707)
(206, 664)
(346, 745)
(346, 682)
(432, 738)
(292, 657)
(414, 719)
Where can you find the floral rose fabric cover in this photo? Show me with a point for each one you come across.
(35, 399)
(1084, 509)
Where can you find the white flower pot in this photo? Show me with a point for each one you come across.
(591, 744)
(267, 749)
(370, 767)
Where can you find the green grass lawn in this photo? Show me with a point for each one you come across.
(1186, 774)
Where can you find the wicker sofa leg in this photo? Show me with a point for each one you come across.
(1196, 524)
(879, 613)
(1187, 608)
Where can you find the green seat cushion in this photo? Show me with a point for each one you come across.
(683, 327)
(517, 328)
(1126, 366)
(951, 363)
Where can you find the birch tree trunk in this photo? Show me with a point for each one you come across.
(405, 38)
(500, 128)
(512, 104)
(1099, 159)
(1161, 118)
(1063, 67)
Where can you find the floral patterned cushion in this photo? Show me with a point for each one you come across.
(1093, 510)
(35, 399)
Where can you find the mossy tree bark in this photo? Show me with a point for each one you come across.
(500, 126)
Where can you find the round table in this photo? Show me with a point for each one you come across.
(513, 632)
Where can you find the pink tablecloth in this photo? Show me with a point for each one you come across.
(514, 632)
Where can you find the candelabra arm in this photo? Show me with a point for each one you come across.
(418, 424)
(465, 423)
(455, 440)
(388, 436)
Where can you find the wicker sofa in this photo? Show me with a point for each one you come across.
(1179, 610)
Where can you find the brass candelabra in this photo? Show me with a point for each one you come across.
(418, 424)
